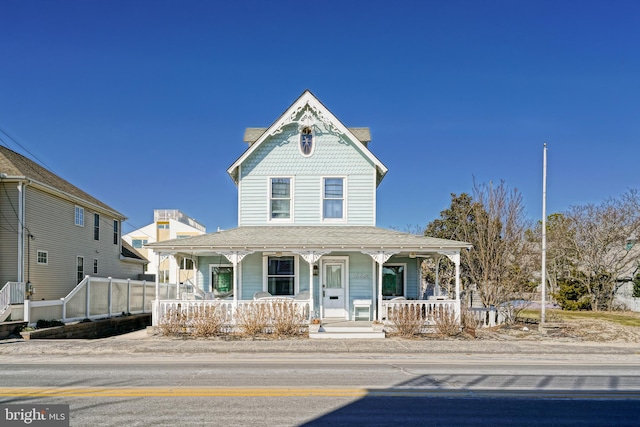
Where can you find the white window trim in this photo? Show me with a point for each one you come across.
(77, 218)
(38, 252)
(404, 279)
(344, 199)
(291, 200)
(296, 272)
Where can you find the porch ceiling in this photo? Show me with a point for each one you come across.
(335, 238)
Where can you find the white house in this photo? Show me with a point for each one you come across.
(167, 224)
(307, 224)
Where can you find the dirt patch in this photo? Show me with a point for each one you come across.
(582, 330)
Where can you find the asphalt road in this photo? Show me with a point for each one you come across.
(285, 389)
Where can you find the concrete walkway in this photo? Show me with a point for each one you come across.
(140, 343)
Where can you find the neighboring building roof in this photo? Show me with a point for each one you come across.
(251, 135)
(177, 215)
(264, 238)
(286, 118)
(129, 251)
(14, 165)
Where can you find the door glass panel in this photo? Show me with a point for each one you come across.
(333, 279)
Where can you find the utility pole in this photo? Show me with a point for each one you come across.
(543, 301)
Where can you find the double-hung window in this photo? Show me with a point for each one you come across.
(116, 232)
(80, 268)
(280, 198)
(333, 198)
(79, 216)
(96, 226)
(281, 275)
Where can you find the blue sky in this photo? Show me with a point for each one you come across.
(143, 104)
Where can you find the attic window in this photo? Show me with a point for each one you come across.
(306, 141)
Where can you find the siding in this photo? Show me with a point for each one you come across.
(251, 275)
(8, 233)
(361, 279)
(333, 156)
(51, 221)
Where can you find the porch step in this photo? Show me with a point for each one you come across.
(347, 335)
(346, 332)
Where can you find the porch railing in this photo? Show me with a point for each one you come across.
(487, 317)
(427, 310)
(189, 309)
(11, 293)
(98, 297)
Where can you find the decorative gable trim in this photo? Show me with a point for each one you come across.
(307, 110)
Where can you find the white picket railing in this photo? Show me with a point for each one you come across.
(427, 310)
(188, 309)
(489, 317)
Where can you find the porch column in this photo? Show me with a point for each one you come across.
(436, 290)
(194, 264)
(454, 256)
(311, 257)
(158, 277)
(380, 257)
(235, 258)
(177, 262)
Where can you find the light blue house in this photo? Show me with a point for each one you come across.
(307, 224)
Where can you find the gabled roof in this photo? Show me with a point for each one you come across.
(130, 252)
(17, 166)
(264, 238)
(307, 98)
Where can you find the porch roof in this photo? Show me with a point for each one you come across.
(261, 238)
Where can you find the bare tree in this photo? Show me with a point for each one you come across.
(499, 263)
(493, 221)
(597, 237)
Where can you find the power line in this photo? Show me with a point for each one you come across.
(24, 148)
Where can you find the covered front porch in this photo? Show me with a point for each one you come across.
(360, 274)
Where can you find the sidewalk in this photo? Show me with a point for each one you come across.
(140, 343)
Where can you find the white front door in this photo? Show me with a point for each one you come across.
(333, 288)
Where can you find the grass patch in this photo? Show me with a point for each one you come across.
(624, 318)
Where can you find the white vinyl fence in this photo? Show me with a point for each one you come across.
(98, 297)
